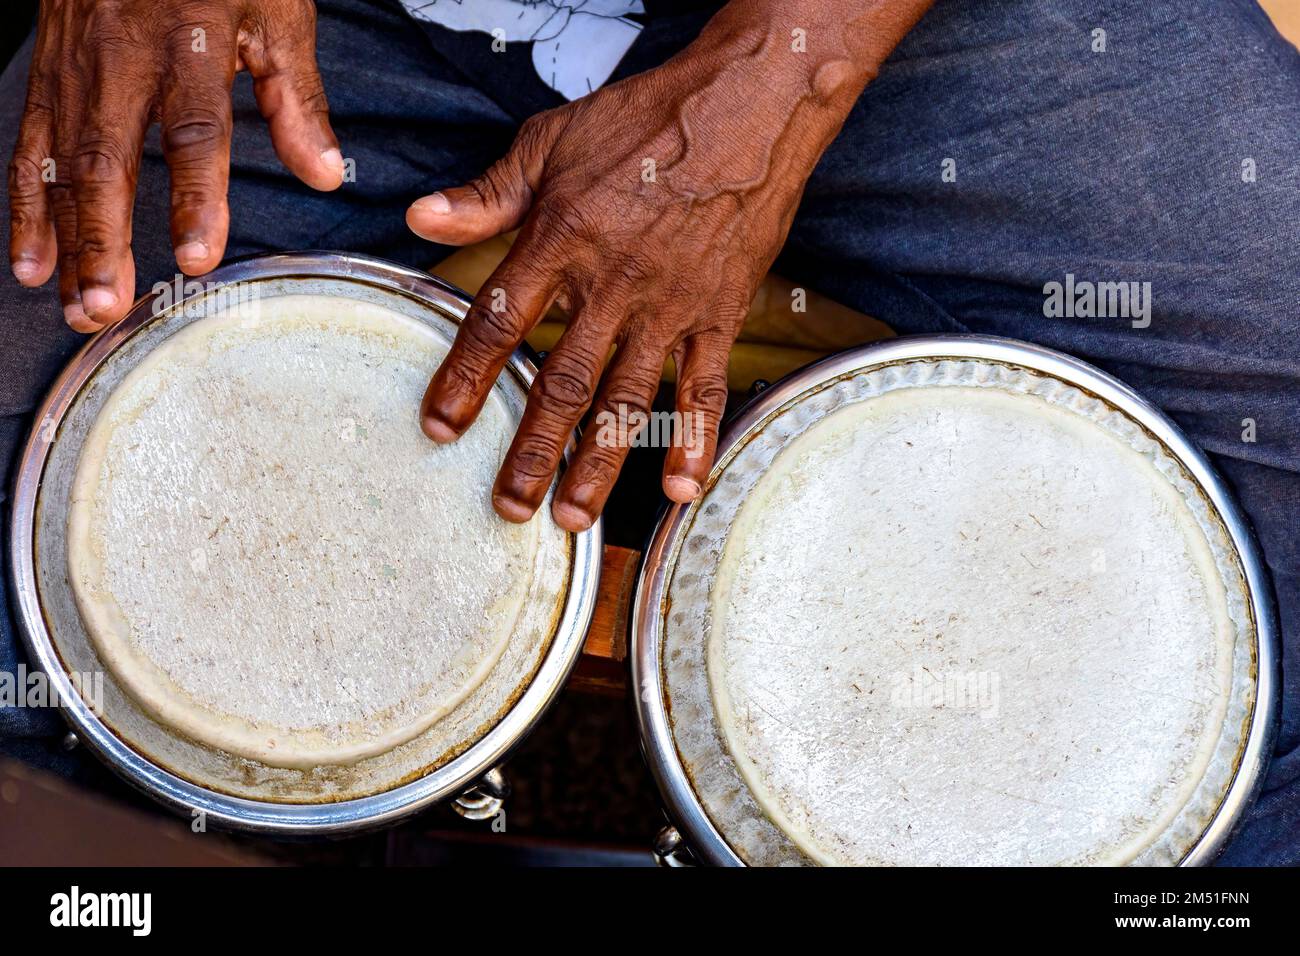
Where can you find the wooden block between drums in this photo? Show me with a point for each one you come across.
(601, 668)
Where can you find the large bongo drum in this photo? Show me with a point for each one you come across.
(306, 616)
(954, 600)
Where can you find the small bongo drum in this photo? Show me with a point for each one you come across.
(306, 616)
(954, 600)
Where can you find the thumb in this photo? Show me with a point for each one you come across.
(495, 202)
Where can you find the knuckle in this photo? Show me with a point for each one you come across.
(98, 161)
(495, 328)
(564, 223)
(192, 129)
(634, 388)
(533, 459)
(93, 241)
(458, 382)
(564, 387)
(598, 466)
(25, 177)
(63, 203)
(705, 392)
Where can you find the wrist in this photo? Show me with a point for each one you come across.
(829, 49)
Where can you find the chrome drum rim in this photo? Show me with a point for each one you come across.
(703, 838)
(342, 817)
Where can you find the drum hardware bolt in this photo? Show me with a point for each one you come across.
(758, 385)
(485, 798)
(70, 741)
(671, 850)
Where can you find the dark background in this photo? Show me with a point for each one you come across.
(21, 16)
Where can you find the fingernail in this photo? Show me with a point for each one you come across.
(570, 517)
(435, 203)
(26, 269)
(192, 253)
(96, 300)
(681, 489)
(437, 429)
(333, 159)
(511, 510)
(77, 319)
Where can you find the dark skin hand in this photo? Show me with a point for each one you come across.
(102, 73)
(650, 210)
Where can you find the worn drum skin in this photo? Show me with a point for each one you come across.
(955, 601)
(307, 615)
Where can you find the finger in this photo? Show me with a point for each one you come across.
(511, 302)
(33, 250)
(63, 206)
(105, 168)
(196, 132)
(65, 229)
(701, 402)
(291, 95)
(496, 202)
(621, 411)
(560, 396)
(64, 209)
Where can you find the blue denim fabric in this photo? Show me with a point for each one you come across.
(1117, 166)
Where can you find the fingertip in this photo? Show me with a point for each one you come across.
(437, 429)
(321, 171)
(427, 216)
(331, 169)
(99, 303)
(78, 321)
(570, 517)
(681, 489)
(435, 204)
(32, 272)
(195, 257)
(511, 510)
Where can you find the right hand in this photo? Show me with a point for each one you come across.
(102, 72)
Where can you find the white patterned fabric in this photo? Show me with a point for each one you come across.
(576, 43)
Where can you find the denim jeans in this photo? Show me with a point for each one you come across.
(998, 151)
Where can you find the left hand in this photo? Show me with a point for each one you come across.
(650, 210)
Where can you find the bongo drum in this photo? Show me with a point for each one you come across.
(306, 614)
(954, 600)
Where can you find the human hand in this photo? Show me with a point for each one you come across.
(102, 72)
(650, 210)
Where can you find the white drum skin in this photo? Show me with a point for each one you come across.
(955, 683)
(865, 586)
(341, 792)
(268, 553)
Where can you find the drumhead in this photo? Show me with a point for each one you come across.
(955, 611)
(293, 596)
(269, 554)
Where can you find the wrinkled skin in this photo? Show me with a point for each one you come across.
(651, 266)
(647, 268)
(103, 71)
(649, 210)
